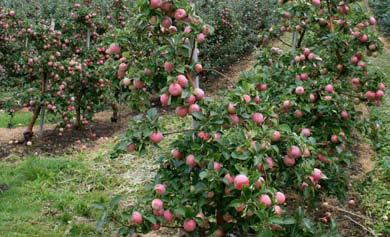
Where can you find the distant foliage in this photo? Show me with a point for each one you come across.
(236, 24)
(382, 11)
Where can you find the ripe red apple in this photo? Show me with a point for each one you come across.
(261, 87)
(278, 210)
(329, 88)
(379, 94)
(280, 197)
(180, 14)
(156, 137)
(264, 198)
(294, 152)
(198, 67)
(306, 51)
(299, 90)
(126, 81)
(159, 188)
(275, 136)
(168, 216)
(201, 37)
(136, 217)
(322, 158)
(199, 93)
(230, 108)
(334, 138)
(113, 49)
(164, 98)
(190, 99)
(138, 83)
(247, 98)
(372, 20)
(344, 114)
(306, 132)
(235, 118)
(155, 3)
(168, 66)
(229, 178)
(190, 160)
(304, 76)
(240, 181)
(176, 153)
(217, 165)
(193, 108)
(131, 147)
(363, 38)
(189, 225)
(317, 174)
(240, 207)
(174, 89)
(166, 22)
(156, 226)
(181, 111)
(219, 233)
(257, 118)
(317, 3)
(288, 161)
(157, 204)
(259, 182)
(182, 80)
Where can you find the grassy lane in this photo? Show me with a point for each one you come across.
(376, 189)
(49, 196)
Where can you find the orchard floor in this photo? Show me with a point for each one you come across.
(46, 188)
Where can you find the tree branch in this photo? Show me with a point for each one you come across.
(285, 43)
(362, 226)
(219, 73)
(179, 131)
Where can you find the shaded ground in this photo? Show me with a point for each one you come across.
(11, 139)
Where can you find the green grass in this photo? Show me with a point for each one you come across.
(50, 196)
(21, 118)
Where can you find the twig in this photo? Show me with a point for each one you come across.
(289, 45)
(354, 96)
(188, 75)
(180, 131)
(301, 38)
(345, 211)
(219, 73)
(363, 227)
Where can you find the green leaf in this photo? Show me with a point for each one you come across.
(285, 128)
(101, 220)
(152, 114)
(203, 174)
(123, 230)
(197, 115)
(97, 205)
(180, 211)
(116, 200)
(308, 224)
(265, 232)
(289, 221)
(151, 219)
(277, 221)
(240, 155)
(200, 187)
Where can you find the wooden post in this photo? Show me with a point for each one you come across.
(193, 53)
(294, 42)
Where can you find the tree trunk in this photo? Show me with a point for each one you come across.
(28, 134)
